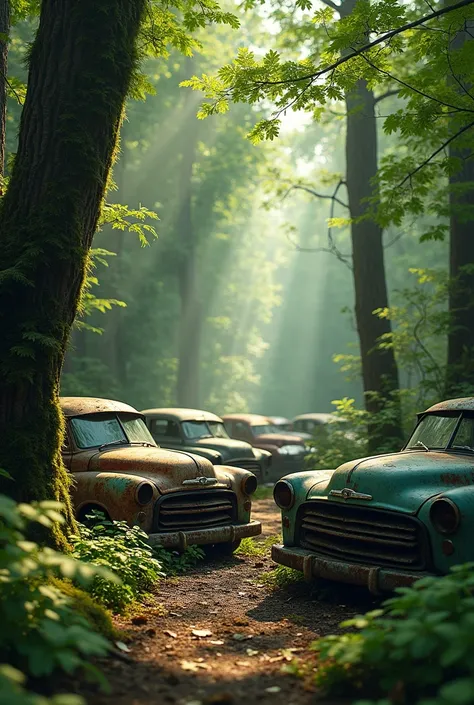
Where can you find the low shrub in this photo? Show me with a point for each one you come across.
(82, 603)
(281, 577)
(417, 650)
(252, 546)
(125, 552)
(175, 563)
(41, 630)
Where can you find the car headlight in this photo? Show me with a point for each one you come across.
(249, 484)
(284, 494)
(445, 516)
(144, 493)
(292, 450)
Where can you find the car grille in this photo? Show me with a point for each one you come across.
(360, 534)
(187, 511)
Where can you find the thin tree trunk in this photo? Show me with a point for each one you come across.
(191, 316)
(80, 70)
(379, 368)
(460, 367)
(4, 32)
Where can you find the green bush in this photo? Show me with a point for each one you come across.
(417, 649)
(126, 553)
(13, 692)
(41, 631)
(174, 563)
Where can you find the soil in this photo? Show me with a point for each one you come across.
(245, 631)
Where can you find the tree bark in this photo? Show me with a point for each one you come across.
(190, 324)
(379, 368)
(81, 65)
(460, 362)
(4, 32)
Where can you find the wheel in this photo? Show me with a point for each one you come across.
(222, 549)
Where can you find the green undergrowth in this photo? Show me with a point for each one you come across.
(263, 492)
(124, 551)
(416, 650)
(174, 563)
(255, 546)
(280, 577)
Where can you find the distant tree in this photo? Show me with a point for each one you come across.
(4, 35)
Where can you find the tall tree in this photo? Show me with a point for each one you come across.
(81, 65)
(4, 36)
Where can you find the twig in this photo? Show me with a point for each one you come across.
(315, 193)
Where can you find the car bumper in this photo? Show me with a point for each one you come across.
(219, 534)
(376, 579)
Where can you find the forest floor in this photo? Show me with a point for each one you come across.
(245, 631)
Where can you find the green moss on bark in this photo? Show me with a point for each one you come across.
(81, 64)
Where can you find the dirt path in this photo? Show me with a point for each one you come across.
(251, 629)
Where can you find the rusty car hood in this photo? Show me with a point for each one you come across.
(165, 468)
(399, 481)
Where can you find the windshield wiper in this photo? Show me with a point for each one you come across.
(120, 442)
(421, 444)
(141, 443)
(471, 450)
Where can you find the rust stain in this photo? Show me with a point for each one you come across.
(455, 479)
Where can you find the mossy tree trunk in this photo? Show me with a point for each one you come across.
(4, 32)
(81, 65)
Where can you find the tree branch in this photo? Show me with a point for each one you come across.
(315, 193)
(366, 47)
(435, 153)
(387, 94)
(332, 5)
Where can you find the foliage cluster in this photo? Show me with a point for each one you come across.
(174, 563)
(42, 631)
(252, 546)
(125, 553)
(417, 650)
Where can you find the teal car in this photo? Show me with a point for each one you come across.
(387, 520)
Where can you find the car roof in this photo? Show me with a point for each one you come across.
(461, 404)
(322, 418)
(179, 414)
(252, 419)
(279, 419)
(79, 406)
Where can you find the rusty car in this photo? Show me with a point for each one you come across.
(203, 433)
(385, 521)
(177, 498)
(288, 449)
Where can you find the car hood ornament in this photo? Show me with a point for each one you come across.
(347, 493)
(201, 481)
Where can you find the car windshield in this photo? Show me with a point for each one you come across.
(101, 429)
(218, 429)
(264, 429)
(196, 429)
(435, 431)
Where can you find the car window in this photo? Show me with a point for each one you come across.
(97, 429)
(165, 428)
(242, 430)
(196, 429)
(464, 438)
(136, 429)
(218, 429)
(434, 431)
(264, 429)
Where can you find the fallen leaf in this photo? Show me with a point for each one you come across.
(189, 666)
(251, 652)
(123, 647)
(273, 689)
(173, 635)
(216, 642)
(241, 594)
(201, 633)
(241, 621)
(176, 614)
(242, 637)
(242, 663)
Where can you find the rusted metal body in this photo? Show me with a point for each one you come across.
(178, 498)
(385, 521)
(203, 433)
(287, 448)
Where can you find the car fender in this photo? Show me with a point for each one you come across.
(302, 482)
(115, 493)
(460, 542)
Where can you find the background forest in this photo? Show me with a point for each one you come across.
(242, 300)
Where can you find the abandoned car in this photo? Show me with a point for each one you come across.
(178, 498)
(203, 433)
(288, 449)
(387, 520)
